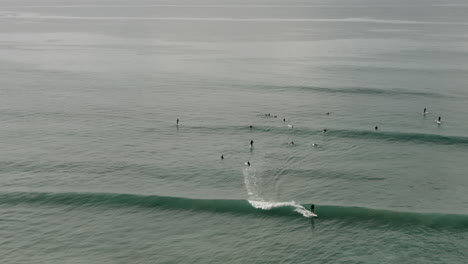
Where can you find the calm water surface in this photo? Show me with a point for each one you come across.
(93, 168)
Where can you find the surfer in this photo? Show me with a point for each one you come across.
(222, 156)
(284, 119)
(315, 144)
(425, 111)
(248, 163)
(325, 130)
(292, 142)
(251, 143)
(312, 208)
(177, 121)
(250, 126)
(328, 113)
(376, 128)
(438, 119)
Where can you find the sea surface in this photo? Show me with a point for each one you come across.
(94, 169)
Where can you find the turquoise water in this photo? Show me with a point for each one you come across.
(93, 168)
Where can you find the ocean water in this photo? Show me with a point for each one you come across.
(93, 168)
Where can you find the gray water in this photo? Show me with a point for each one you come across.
(93, 168)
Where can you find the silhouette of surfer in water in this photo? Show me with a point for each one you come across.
(177, 122)
(251, 143)
(312, 208)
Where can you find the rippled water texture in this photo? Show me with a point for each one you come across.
(94, 169)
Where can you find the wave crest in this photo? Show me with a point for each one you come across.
(345, 214)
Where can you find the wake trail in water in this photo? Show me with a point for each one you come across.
(257, 201)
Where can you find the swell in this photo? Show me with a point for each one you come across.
(394, 218)
(322, 174)
(343, 133)
(400, 137)
(131, 200)
(354, 215)
(357, 90)
(31, 15)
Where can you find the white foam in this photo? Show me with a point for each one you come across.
(270, 205)
(258, 202)
(266, 205)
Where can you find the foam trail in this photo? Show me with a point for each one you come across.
(264, 205)
(257, 201)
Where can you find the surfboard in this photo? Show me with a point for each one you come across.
(438, 122)
(310, 214)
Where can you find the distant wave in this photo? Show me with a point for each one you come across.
(390, 136)
(196, 6)
(380, 135)
(240, 207)
(451, 5)
(400, 137)
(359, 90)
(322, 174)
(29, 15)
(205, 6)
(345, 133)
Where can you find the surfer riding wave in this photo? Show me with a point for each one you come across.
(257, 201)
